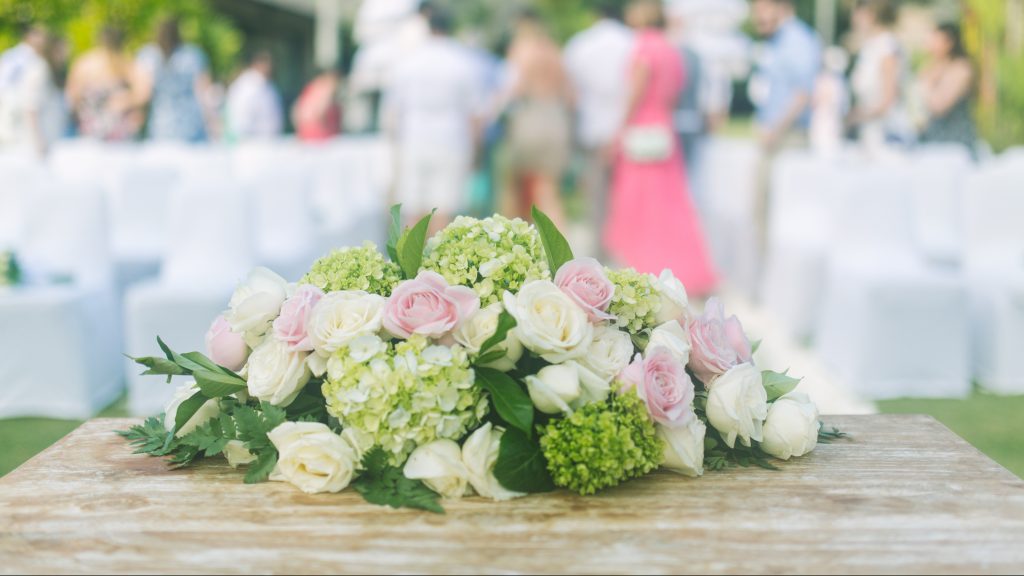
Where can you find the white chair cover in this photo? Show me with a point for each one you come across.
(938, 182)
(138, 205)
(732, 206)
(350, 186)
(18, 174)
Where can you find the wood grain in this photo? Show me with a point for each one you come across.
(905, 495)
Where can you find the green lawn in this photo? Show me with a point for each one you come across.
(994, 424)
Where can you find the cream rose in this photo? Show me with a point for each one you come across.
(472, 334)
(439, 465)
(675, 305)
(791, 429)
(593, 388)
(275, 373)
(684, 448)
(255, 304)
(479, 455)
(208, 411)
(738, 405)
(341, 317)
(672, 337)
(312, 457)
(610, 351)
(237, 454)
(554, 388)
(549, 323)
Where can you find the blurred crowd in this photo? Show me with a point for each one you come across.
(620, 112)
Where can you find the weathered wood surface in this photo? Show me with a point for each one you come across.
(904, 495)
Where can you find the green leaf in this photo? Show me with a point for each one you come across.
(410, 247)
(217, 384)
(521, 465)
(260, 470)
(830, 434)
(778, 385)
(159, 366)
(556, 247)
(151, 437)
(188, 409)
(755, 346)
(386, 485)
(510, 401)
(207, 364)
(394, 232)
(506, 322)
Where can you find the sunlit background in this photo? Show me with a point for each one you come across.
(851, 168)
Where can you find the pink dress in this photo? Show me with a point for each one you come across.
(652, 221)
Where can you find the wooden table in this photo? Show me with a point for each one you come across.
(904, 495)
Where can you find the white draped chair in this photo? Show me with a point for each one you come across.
(138, 202)
(940, 175)
(890, 324)
(19, 174)
(994, 261)
(732, 210)
(209, 249)
(351, 184)
(60, 331)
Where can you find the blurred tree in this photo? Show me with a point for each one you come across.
(81, 21)
(994, 34)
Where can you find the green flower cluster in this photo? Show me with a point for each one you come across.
(490, 256)
(10, 274)
(363, 268)
(636, 302)
(601, 445)
(402, 395)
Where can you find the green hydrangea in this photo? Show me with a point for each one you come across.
(402, 395)
(363, 268)
(601, 445)
(636, 302)
(490, 256)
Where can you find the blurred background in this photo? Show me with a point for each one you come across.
(844, 174)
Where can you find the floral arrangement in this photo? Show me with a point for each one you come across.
(10, 272)
(485, 360)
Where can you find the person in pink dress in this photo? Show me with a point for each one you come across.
(652, 222)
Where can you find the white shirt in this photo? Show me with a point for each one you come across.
(253, 107)
(597, 60)
(27, 86)
(868, 91)
(433, 97)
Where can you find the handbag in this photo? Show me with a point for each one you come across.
(647, 144)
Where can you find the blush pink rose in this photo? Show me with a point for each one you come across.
(662, 383)
(291, 326)
(427, 305)
(584, 280)
(224, 347)
(719, 343)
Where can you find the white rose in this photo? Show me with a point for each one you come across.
(610, 352)
(593, 388)
(360, 441)
(684, 448)
(476, 330)
(673, 337)
(275, 373)
(208, 411)
(738, 405)
(791, 429)
(237, 454)
(255, 304)
(674, 302)
(312, 457)
(439, 465)
(341, 317)
(479, 455)
(549, 323)
(554, 388)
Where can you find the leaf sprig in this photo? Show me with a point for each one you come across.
(386, 485)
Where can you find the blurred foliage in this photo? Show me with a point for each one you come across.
(994, 35)
(81, 21)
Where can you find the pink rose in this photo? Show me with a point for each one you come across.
(584, 280)
(427, 305)
(663, 384)
(291, 326)
(224, 347)
(718, 343)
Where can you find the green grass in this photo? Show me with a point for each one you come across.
(993, 424)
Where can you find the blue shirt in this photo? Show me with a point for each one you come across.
(789, 65)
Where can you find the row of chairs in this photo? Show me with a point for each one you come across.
(151, 240)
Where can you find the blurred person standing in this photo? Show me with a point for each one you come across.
(597, 60)
(946, 86)
(176, 83)
(830, 104)
(32, 111)
(539, 134)
(878, 77)
(317, 112)
(691, 123)
(652, 222)
(104, 91)
(432, 107)
(253, 107)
